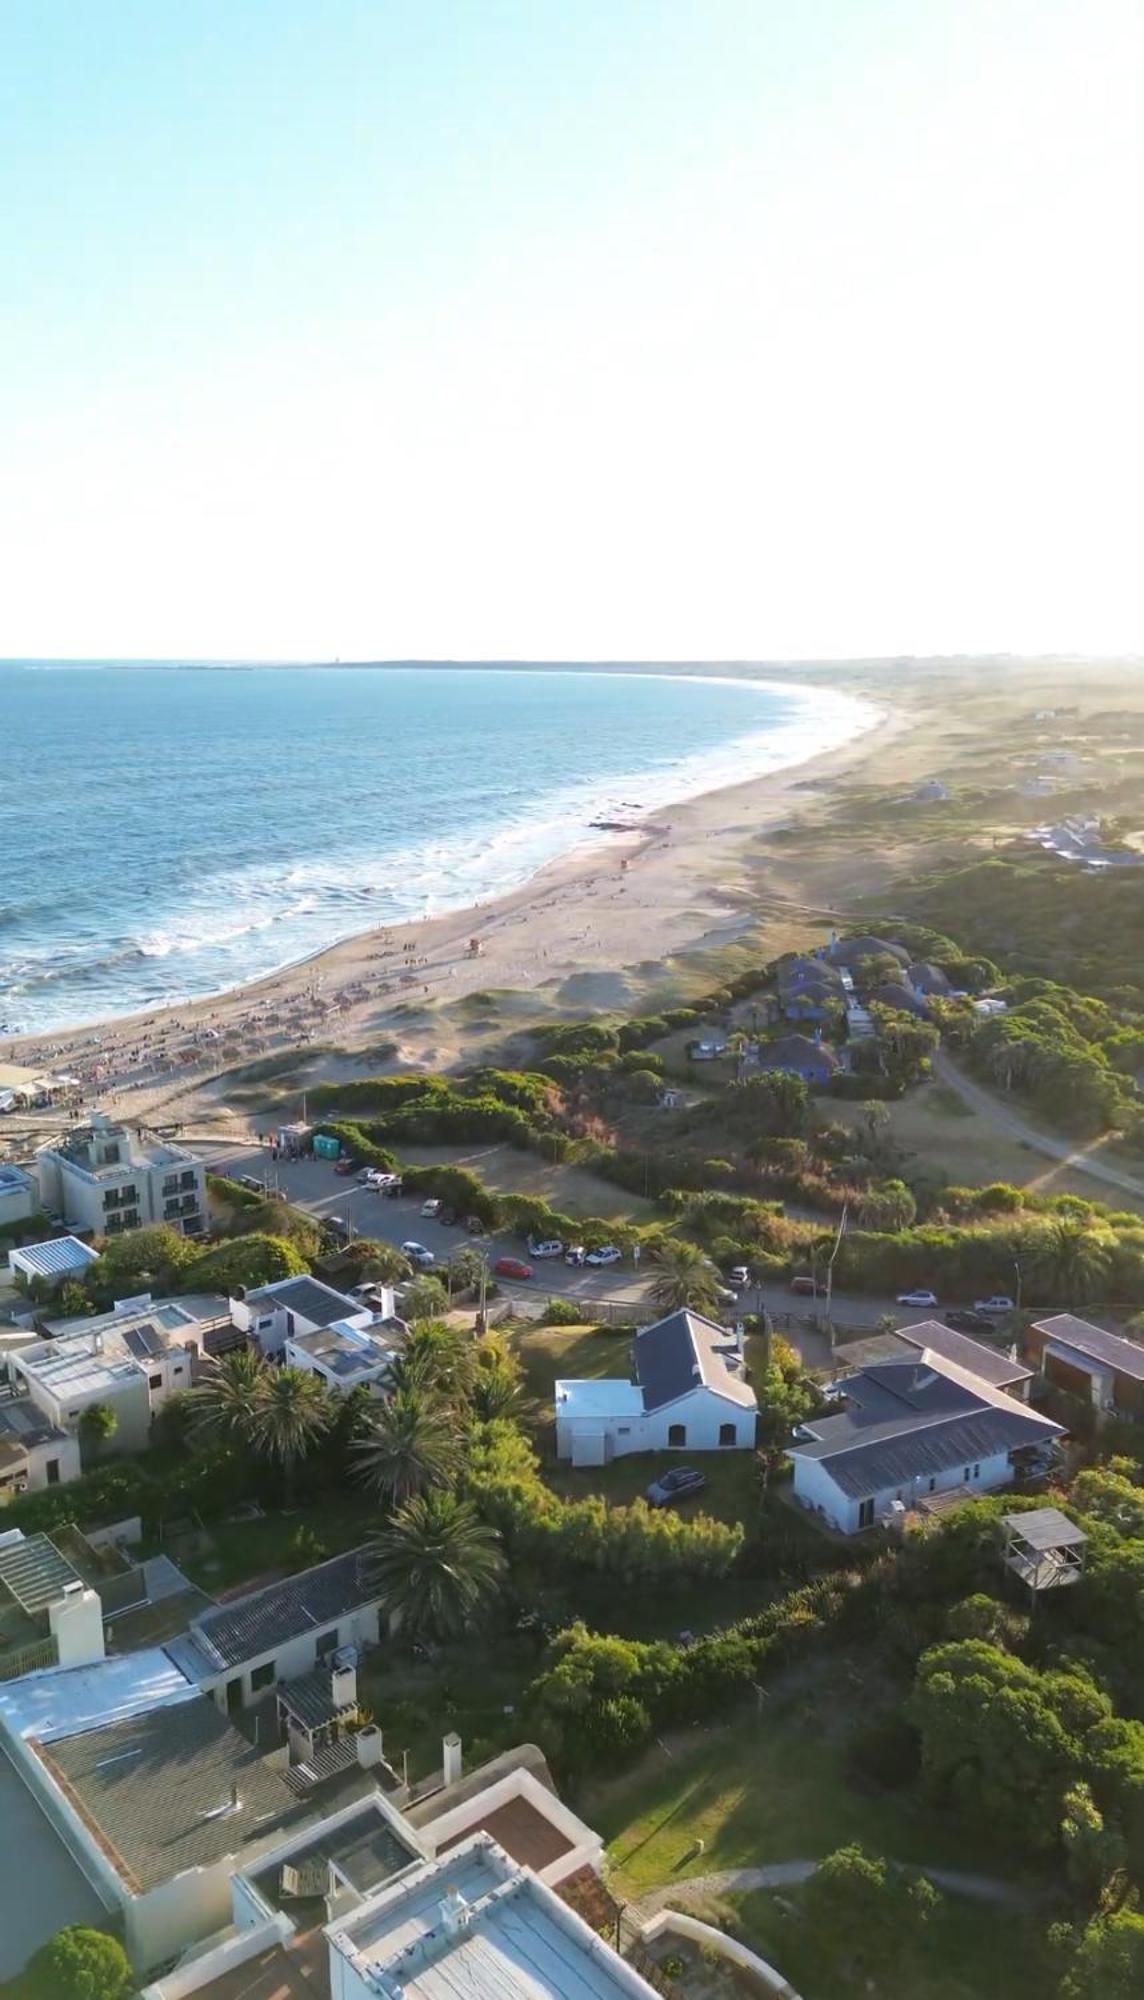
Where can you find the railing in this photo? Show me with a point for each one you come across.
(28, 1659)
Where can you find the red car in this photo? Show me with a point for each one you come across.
(511, 1267)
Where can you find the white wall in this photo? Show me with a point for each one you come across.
(65, 1450)
(702, 1415)
(17, 1203)
(813, 1484)
(299, 1656)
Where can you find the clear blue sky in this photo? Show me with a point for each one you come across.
(504, 327)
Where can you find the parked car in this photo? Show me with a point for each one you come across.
(575, 1253)
(678, 1484)
(918, 1297)
(252, 1182)
(387, 1183)
(418, 1254)
(551, 1247)
(376, 1177)
(738, 1276)
(512, 1267)
(339, 1228)
(807, 1288)
(349, 1165)
(606, 1254)
(430, 1209)
(963, 1319)
(995, 1306)
(726, 1296)
(474, 1225)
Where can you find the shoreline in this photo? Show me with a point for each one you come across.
(862, 709)
(589, 930)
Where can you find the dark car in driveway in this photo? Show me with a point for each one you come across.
(963, 1319)
(678, 1484)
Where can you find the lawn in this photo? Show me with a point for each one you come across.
(550, 1354)
(769, 1785)
(230, 1555)
(731, 1492)
(477, 1692)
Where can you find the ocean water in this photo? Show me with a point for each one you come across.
(168, 832)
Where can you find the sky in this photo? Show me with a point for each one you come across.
(678, 329)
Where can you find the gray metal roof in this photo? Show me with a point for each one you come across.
(35, 1572)
(159, 1787)
(250, 1626)
(683, 1352)
(904, 1420)
(310, 1699)
(1046, 1528)
(990, 1364)
(1124, 1357)
(307, 1297)
(57, 1258)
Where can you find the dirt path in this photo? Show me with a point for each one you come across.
(785, 1874)
(1077, 1157)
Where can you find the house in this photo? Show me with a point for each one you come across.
(797, 1055)
(709, 1050)
(929, 980)
(291, 1307)
(345, 1356)
(689, 1394)
(901, 1431)
(19, 1195)
(1103, 1368)
(998, 1366)
(902, 998)
(848, 951)
(237, 1650)
(106, 1178)
(131, 1360)
(53, 1263)
(34, 1451)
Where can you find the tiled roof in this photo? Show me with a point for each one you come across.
(248, 1627)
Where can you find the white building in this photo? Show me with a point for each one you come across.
(131, 1360)
(901, 1431)
(345, 1356)
(237, 1650)
(285, 1312)
(106, 1178)
(689, 1394)
(19, 1195)
(34, 1452)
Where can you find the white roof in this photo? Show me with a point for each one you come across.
(54, 1259)
(594, 1400)
(70, 1368)
(68, 1701)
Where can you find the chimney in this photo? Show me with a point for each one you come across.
(451, 1760)
(76, 1619)
(454, 1910)
(368, 1743)
(343, 1686)
(235, 1799)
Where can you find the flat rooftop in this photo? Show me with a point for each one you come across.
(345, 1350)
(363, 1850)
(57, 1258)
(524, 1833)
(87, 1147)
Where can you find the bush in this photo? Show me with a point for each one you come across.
(562, 1312)
(77, 1964)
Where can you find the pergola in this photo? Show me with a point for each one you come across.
(1044, 1548)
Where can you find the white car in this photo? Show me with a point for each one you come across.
(418, 1254)
(607, 1254)
(429, 1209)
(917, 1298)
(376, 1177)
(996, 1305)
(739, 1276)
(553, 1247)
(575, 1253)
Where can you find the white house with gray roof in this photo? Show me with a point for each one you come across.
(284, 1312)
(688, 1393)
(237, 1650)
(902, 1431)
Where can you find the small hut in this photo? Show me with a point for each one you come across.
(1044, 1548)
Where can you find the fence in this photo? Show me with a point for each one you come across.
(28, 1659)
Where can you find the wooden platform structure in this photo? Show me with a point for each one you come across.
(1044, 1548)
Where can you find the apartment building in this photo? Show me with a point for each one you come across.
(131, 1360)
(105, 1178)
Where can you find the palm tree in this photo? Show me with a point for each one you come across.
(222, 1404)
(438, 1360)
(409, 1444)
(684, 1276)
(1072, 1257)
(291, 1412)
(437, 1565)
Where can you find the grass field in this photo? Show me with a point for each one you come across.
(230, 1554)
(571, 1190)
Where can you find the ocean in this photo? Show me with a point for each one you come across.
(166, 832)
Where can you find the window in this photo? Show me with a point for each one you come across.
(178, 1369)
(623, 1430)
(52, 1471)
(977, 1472)
(263, 1676)
(933, 1485)
(967, 1474)
(327, 1645)
(728, 1434)
(865, 1513)
(155, 1381)
(677, 1435)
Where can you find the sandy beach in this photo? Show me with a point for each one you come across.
(593, 929)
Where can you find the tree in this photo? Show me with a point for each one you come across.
(282, 1221)
(77, 1964)
(773, 1104)
(1109, 1964)
(684, 1276)
(1094, 1851)
(408, 1446)
(1072, 1258)
(888, 1207)
(465, 1267)
(222, 1404)
(243, 1261)
(426, 1298)
(374, 1262)
(97, 1426)
(291, 1412)
(850, 1898)
(437, 1565)
(438, 1360)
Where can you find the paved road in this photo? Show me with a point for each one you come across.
(990, 1107)
(314, 1186)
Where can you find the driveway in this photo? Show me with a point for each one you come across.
(1078, 1158)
